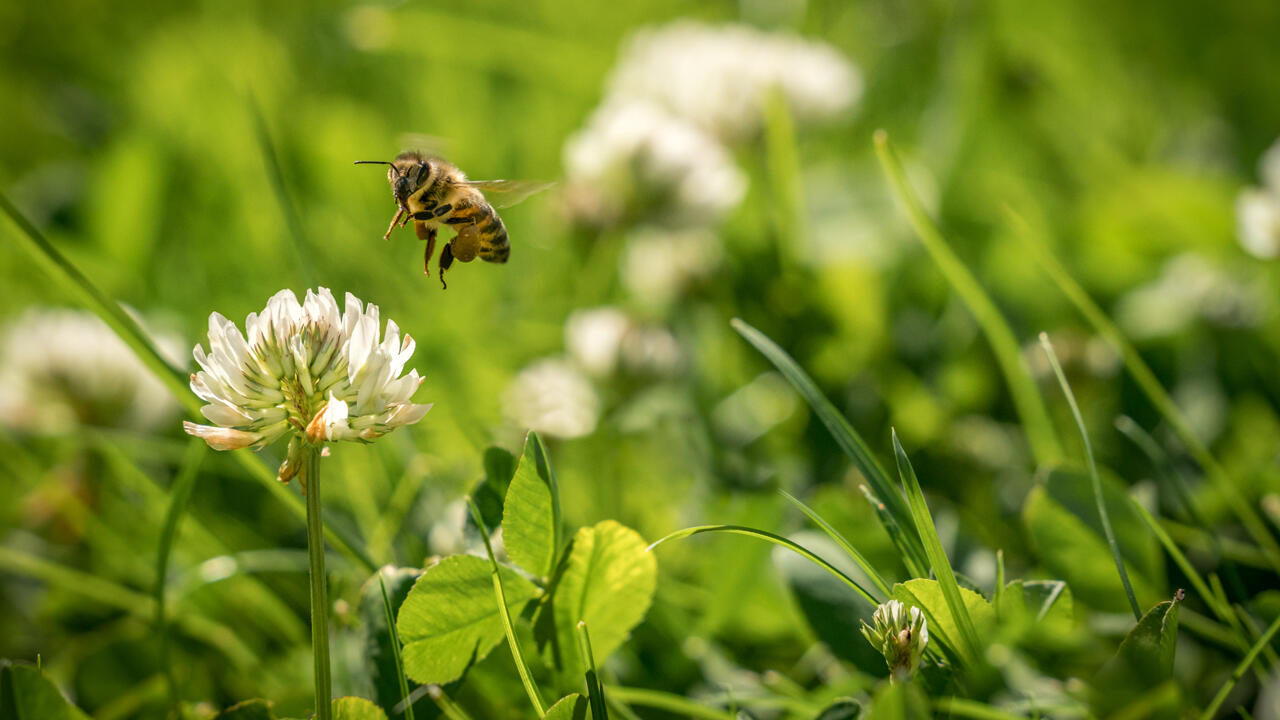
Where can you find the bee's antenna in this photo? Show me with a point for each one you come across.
(371, 162)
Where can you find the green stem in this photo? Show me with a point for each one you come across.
(595, 694)
(1151, 387)
(395, 649)
(319, 589)
(1022, 387)
(535, 698)
(1240, 670)
(1094, 479)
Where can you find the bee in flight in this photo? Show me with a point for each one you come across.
(432, 192)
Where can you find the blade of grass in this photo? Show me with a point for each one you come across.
(1094, 479)
(1240, 670)
(1197, 581)
(595, 694)
(290, 211)
(1022, 387)
(844, 543)
(901, 539)
(841, 431)
(999, 589)
(135, 603)
(535, 698)
(776, 540)
(1151, 388)
(451, 709)
(395, 648)
(174, 380)
(937, 555)
(180, 493)
(670, 702)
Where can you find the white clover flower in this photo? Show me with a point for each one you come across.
(60, 368)
(305, 371)
(719, 76)
(1258, 209)
(657, 266)
(900, 634)
(1258, 222)
(594, 338)
(1190, 288)
(635, 158)
(554, 398)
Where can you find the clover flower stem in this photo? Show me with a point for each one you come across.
(319, 591)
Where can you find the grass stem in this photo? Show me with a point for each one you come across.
(319, 584)
(1094, 479)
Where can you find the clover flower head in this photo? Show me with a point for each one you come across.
(553, 397)
(719, 76)
(1258, 209)
(901, 634)
(307, 371)
(636, 158)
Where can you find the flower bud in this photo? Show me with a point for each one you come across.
(900, 634)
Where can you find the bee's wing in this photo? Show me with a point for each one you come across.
(505, 193)
(432, 145)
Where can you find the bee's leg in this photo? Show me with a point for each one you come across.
(446, 261)
(428, 234)
(394, 220)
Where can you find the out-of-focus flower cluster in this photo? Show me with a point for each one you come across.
(558, 396)
(657, 147)
(656, 161)
(62, 368)
(1258, 209)
(304, 370)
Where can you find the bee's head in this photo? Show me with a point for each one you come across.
(406, 174)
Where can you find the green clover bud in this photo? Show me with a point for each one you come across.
(900, 635)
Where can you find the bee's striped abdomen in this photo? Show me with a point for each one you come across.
(492, 236)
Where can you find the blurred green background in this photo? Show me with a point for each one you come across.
(1121, 131)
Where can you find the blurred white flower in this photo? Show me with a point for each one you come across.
(554, 398)
(651, 350)
(657, 266)
(305, 371)
(594, 338)
(604, 339)
(719, 76)
(1258, 220)
(1258, 209)
(59, 368)
(633, 157)
(1190, 288)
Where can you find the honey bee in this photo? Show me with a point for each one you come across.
(433, 192)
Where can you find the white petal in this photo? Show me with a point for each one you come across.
(220, 438)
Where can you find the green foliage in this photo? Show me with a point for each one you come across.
(1144, 661)
(256, 709)
(531, 514)
(381, 669)
(356, 708)
(931, 597)
(26, 694)
(450, 620)
(608, 583)
(962, 636)
(1064, 529)
(569, 707)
